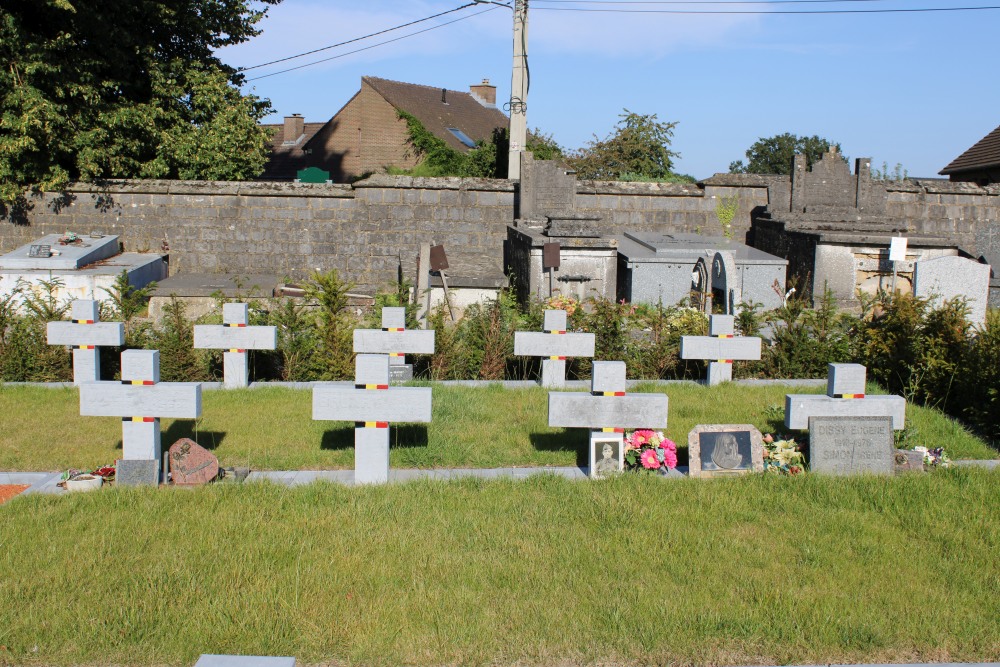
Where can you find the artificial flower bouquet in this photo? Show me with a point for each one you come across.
(934, 457)
(649, 450)
(562, 302)
(782, 457)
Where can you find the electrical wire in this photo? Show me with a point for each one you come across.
(764, 13)
(699, 2)
(356, 39)
(366, 48)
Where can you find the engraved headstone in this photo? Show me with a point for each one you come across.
(722, 450)
(554, 344)
(850, 445)
(235, 336)
(845, 398)
(85, 333)
(607, 411)
(720, 348)
(137, 472)
(191, 464)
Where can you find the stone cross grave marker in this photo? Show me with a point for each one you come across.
(395, 340)
(607, 410)
(721, 348)
(235, 337)
(845, 397)
(554, 344)
(85, 333)
(140, 399)
(371, 405)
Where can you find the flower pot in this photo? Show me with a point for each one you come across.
(84, 483)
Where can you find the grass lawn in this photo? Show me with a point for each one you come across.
(633, 570)
(272, 428)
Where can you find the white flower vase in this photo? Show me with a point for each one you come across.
(84, 483)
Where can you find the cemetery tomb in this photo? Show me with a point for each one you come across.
(141, 400)
(372, 405)
(845, 397)
(85, 333)
(554, 345)
(720, 348)
(396, 341)
(723, 450)
(664, 268)
(235, 337)
(945, 278)
(850, 445)
(607, 410)
(84, 265)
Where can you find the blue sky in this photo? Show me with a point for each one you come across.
(912, 88)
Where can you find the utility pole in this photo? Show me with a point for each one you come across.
(518, 91)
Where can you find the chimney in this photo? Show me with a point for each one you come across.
(485, 93)
(444, 98)
(294, 127)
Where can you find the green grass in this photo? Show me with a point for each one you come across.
(632, 570)
(272, 428)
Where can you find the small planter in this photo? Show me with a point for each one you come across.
(84, 483)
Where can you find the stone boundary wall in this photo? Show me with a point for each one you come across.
(370, 230)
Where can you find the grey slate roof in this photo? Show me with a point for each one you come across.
(985, 153)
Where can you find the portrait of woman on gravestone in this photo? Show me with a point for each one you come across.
(608, 463)
(725, 451)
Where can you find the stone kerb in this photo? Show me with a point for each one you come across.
(141, 400)
(235, 336)
(85, 333)
(845, 398)
(371, 404)
(720, 348)
(555, 344)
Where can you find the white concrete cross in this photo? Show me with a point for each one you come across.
(140, 399)
(845, 397)
(721, 348)
(371, 404)
(85, 333)
(607, 410)
(554, 344)
(395, 340)
(236, 338)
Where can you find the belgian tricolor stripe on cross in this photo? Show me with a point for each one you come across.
(144, 383)
(848, 396)
(371, 386)
(371, 424)
(148, 420)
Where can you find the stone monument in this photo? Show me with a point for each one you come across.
(85, 333)
(554, 344)
(236, 337)
(845, 397)
(721, 347)
(396, 341)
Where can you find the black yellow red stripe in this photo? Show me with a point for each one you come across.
(556, 331)
(557, 358)
(371, 424)
(394, 329)
(236, 349)
(83, 321)
(611, 429)
(144, 383)
(608, 393)
(147, 420)
(371, 386)
(83, 347)
(230, 324)
(848, 395)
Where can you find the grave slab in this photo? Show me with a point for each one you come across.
(724, 450)
(851, 445)
(70, 256)
(137, 472)
(191, 464)
(213, 660)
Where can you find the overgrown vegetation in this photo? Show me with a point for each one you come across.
(773, 155)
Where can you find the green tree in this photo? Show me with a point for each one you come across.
(93, 89)
(638, 148)
(773, 155)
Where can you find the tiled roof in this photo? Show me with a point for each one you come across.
(984, 154)
(459, 109)
(287, 160)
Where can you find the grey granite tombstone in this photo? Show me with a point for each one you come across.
(85, 333)
(137, 472)
(607, 411)
(845, 398)
(723, 450)
(946, 278)
(720, 348)
(724, 281)
(849, 445)
(371, 404)
(555, 345)
(396, 341)
(235, 337)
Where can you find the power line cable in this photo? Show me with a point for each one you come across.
(356, 39)
(699, 2)
(366, 48)
(764, 13)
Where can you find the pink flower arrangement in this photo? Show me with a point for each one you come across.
(649, 450)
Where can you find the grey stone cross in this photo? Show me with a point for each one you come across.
(395, 340)
(140, 399)
(371, 404)
(235, 337)
(721, 348)
(607, 410)
(845, 397)
(85, 333)
(554, 344)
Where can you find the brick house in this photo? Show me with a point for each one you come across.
(980, 164)
(367, 135)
